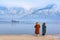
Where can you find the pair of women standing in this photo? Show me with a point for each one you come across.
(37, 29)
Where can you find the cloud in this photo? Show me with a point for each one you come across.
(1, 12)
(28, 4)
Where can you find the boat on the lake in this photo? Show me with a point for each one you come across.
(15, 21)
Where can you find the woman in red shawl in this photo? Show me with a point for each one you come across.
(37, 29)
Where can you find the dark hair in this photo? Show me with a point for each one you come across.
(43, 24)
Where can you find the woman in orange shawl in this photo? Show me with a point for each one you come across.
(37, 29)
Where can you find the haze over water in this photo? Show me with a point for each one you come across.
(19, 16)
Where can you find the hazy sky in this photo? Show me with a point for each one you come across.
(28, 3)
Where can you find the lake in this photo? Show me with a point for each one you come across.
(27, 28)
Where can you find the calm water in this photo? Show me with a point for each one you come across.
(20, 28)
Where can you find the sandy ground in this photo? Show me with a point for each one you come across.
(27, 37)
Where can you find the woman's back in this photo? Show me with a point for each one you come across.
(37, 28)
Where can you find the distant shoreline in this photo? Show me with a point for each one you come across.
(26, 22)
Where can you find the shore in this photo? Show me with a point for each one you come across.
(28, 37)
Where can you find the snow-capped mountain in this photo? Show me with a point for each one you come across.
(49, 12)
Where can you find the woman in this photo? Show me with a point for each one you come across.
(43, 29)
(37, 29)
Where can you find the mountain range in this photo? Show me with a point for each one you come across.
(50, 12)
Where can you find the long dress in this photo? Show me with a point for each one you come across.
(43, 30)
(37, 29)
